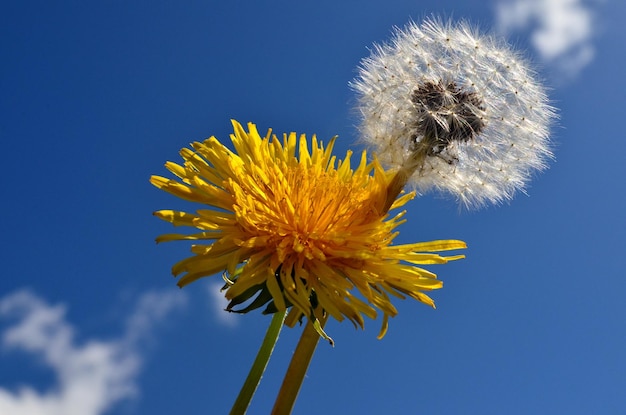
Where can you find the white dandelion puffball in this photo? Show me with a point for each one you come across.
(460, 111)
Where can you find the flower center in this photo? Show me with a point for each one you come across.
(445, 113)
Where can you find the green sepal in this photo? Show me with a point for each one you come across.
(261, 299)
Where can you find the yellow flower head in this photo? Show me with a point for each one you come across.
(297, 228)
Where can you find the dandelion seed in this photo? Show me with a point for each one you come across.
(454, 110)
(305, 232)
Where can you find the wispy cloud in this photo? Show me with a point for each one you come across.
(92, 376)
(562, 30)
(218, 303)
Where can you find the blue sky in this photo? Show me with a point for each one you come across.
(96, 96)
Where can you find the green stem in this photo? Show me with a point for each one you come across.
(297, 369)
(259, 365)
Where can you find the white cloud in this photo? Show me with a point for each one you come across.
(92, 376)
(218, 304)
(562, 30)
(150, 309)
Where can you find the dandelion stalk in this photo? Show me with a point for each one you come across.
(297, 369)
(259, 365)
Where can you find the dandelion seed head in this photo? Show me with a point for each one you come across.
(462, 109)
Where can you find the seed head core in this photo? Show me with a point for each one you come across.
(445, 113)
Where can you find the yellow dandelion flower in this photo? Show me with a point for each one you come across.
(297, 228)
